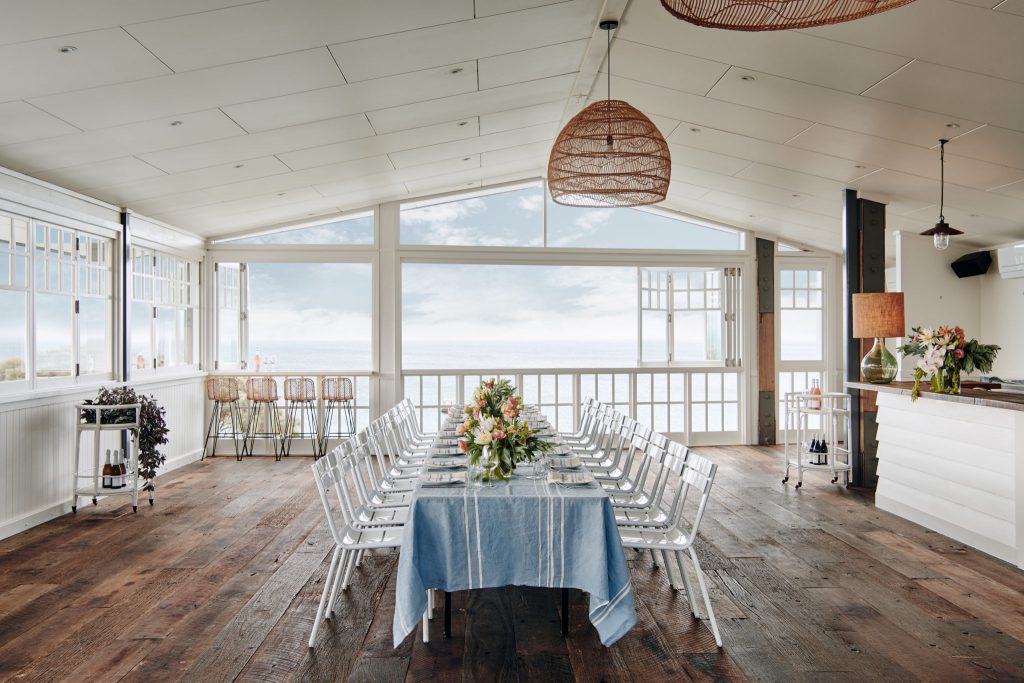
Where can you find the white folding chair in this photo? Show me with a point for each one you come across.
(695, 473)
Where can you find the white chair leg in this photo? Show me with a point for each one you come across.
(352, 560)
(342, 565)
(328, 585)
(707, 598)
(686, 582)
(426, 619)
(430, 603)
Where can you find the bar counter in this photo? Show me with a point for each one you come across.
(954, 464)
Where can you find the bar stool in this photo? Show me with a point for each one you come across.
(223, 391)
(300, 404)
(339, 396)
(262, 395)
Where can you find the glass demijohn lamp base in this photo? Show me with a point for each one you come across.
(878, 366)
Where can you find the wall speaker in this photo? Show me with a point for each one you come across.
(973, 264)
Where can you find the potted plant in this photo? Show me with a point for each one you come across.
(152, 431)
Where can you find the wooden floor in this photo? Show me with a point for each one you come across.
(220, 581)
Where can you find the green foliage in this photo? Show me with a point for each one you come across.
(152, 431)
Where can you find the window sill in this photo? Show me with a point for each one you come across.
(49, 396)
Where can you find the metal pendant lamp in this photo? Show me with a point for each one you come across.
(609, 154)
(941, 233)
(775, 15)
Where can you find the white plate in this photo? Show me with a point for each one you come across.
(580, 478)
(564, 462)
(442, 478)
(447, 462)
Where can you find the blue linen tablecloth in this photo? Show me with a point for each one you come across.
(522, 533)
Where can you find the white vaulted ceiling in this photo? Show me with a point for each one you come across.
(221, 116)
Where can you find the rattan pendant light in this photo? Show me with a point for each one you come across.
(775, 15)
(609, 154)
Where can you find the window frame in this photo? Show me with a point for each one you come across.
(156, 255)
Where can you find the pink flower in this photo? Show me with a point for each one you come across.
(490, 383)
(463, 446)
(476, 414)
(481, 403)
(508, 411)
(497, 435)
(461, 429)
(958, 354)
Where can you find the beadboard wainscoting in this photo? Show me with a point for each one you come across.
(954, 468)
(37, 447)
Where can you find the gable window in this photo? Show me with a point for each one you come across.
(356, 229)
(509, 218)
(628, 228)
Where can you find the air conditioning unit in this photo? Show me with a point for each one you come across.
(1011, 261)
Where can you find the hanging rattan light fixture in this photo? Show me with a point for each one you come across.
(609, 154)
(775, 15)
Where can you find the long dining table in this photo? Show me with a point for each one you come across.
(521, 532)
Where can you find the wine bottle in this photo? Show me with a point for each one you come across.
(814, 403)
(108, 473)
(122, 470)
(124, 467)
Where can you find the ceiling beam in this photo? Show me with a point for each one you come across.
(593, 58)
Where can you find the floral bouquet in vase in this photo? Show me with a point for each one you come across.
(492, 433)
(946, 353)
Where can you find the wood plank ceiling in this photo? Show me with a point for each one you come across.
(220, 116)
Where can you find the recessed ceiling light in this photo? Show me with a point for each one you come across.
(466, 158)
(747, 77)
(751, 215)
(280, 194)
(67, 49)
(860, 166)
(456, 70)
(952, 125)
(796, 195)
(973, 215)
(463, 123)
(470, 184)
(695, 130)
(239, 165)
(177, 123)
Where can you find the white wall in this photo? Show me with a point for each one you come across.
(989, 308)
(37, 431)
(1002, 321)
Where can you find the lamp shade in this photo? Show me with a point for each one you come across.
(609, 154)
(878, 315)
(774, 15)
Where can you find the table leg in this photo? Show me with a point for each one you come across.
(565, 612)
(447, 614)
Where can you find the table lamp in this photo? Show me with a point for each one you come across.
(878, 316)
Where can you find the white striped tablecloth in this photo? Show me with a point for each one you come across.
(519, 533)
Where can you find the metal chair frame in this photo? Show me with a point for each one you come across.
(300, 406)
(339, 396)
(262, 395)
(223, 391)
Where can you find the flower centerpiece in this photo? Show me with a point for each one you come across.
(493, 434)
(946, 353)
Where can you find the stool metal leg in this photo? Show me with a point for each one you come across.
(213, 431)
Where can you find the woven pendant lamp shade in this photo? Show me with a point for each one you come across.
(775, 15)
(609, 154)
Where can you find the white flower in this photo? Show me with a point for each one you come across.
(482, 434)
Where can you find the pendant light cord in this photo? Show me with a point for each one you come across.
(608, 35)
(942, 178)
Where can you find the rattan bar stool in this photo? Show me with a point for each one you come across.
(223, 392)
(300, 411)
(339, 396)
(262, 395)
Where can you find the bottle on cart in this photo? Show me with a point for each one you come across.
(824, 451)
(814, 403)
(122, 469)
(108, 473)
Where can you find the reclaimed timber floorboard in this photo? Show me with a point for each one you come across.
(220, 582)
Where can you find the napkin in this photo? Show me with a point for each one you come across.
(564, 462)
(571, 478)
(442, 478)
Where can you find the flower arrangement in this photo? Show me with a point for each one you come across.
(492, 432)
(152, 430)
(945, 353)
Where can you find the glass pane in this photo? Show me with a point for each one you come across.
(800, 334)
(348, 230)
(187, 334)
(5, 268)
(654, 337)
(503, 219)
(624, 228)
(166, 342)
(94, 336)
(312, 316)
(13, 333)
(53, 335)
(139, 339)
(517, 316)
(691, 335)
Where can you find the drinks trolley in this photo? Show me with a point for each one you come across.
(822, 447)
(89, 485)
